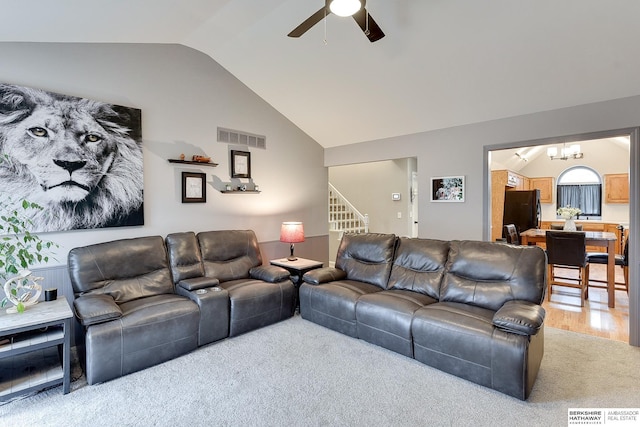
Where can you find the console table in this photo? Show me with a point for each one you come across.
(32, 345)
(297, 269)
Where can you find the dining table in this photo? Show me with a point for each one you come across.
(604, 239)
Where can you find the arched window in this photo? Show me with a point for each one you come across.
(580, 187)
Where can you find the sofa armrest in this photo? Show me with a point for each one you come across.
(519, 317)
(269, 273)
(323, 275)
(93, 309)
(196, 283)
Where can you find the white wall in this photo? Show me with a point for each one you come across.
(184, 95)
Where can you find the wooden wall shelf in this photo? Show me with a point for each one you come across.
(189, 162)
(239, 191)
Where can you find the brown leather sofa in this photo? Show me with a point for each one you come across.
(472, 309)
(142, 302)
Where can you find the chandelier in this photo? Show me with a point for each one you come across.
(566, 153)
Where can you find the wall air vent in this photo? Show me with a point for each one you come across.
(230, 136)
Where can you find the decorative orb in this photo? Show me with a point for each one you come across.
(22, 288)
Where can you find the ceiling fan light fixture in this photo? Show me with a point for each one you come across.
(345, 7)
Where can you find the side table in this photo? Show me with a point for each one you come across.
(297, 269)
(28, 344)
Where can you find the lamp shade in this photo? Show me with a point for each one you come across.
(292, 232)
(345, 7)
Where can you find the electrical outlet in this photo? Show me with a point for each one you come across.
(399, 215)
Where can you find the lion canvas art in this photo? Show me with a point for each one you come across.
(81, 160)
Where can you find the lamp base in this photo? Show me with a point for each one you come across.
(291, 257)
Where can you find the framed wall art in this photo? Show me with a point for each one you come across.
(193, 187)
(447, 189)
(89, 176)
(240, 164)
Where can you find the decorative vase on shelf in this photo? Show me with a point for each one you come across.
(570, 225)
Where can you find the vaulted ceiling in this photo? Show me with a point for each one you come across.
(443, 63)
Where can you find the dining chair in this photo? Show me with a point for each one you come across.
(511, 234)
(603, 258)
(567, 249)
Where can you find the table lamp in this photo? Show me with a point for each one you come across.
(292, 232)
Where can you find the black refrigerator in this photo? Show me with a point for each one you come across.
(521, 208)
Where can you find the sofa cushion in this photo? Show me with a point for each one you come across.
(384, 318)
(254, 303)
(184, 256)
(419, 265)
(487, 274)
(333, 304)
(455, 336)
(151, 330)
(366, 257)
(229, 254)
(461, 339)
(125, 269)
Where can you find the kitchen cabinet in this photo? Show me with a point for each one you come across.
(545, 185)
(513, 180)
(616, 187)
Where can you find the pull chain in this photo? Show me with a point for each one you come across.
(366, 10)
(366, 31)
(325, 27)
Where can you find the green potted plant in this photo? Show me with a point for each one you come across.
(19, 249)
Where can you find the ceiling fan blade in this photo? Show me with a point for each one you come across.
(374, 33)
(309, 22)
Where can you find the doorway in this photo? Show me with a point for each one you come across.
(386, 191)
(608, 153)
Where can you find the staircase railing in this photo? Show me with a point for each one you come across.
(343, 216)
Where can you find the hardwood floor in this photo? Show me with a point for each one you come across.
(595, 318)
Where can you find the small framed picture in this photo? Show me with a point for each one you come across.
(240, 164)
(447, 189)
(193, 187)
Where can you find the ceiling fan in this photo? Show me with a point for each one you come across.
(355, 8)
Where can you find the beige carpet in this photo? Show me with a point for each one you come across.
(298, 373)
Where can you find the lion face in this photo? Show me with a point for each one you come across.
(65, 149)
(72, 156)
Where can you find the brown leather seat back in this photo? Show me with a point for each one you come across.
(566, 248)
(229, 254)
(367, 257)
